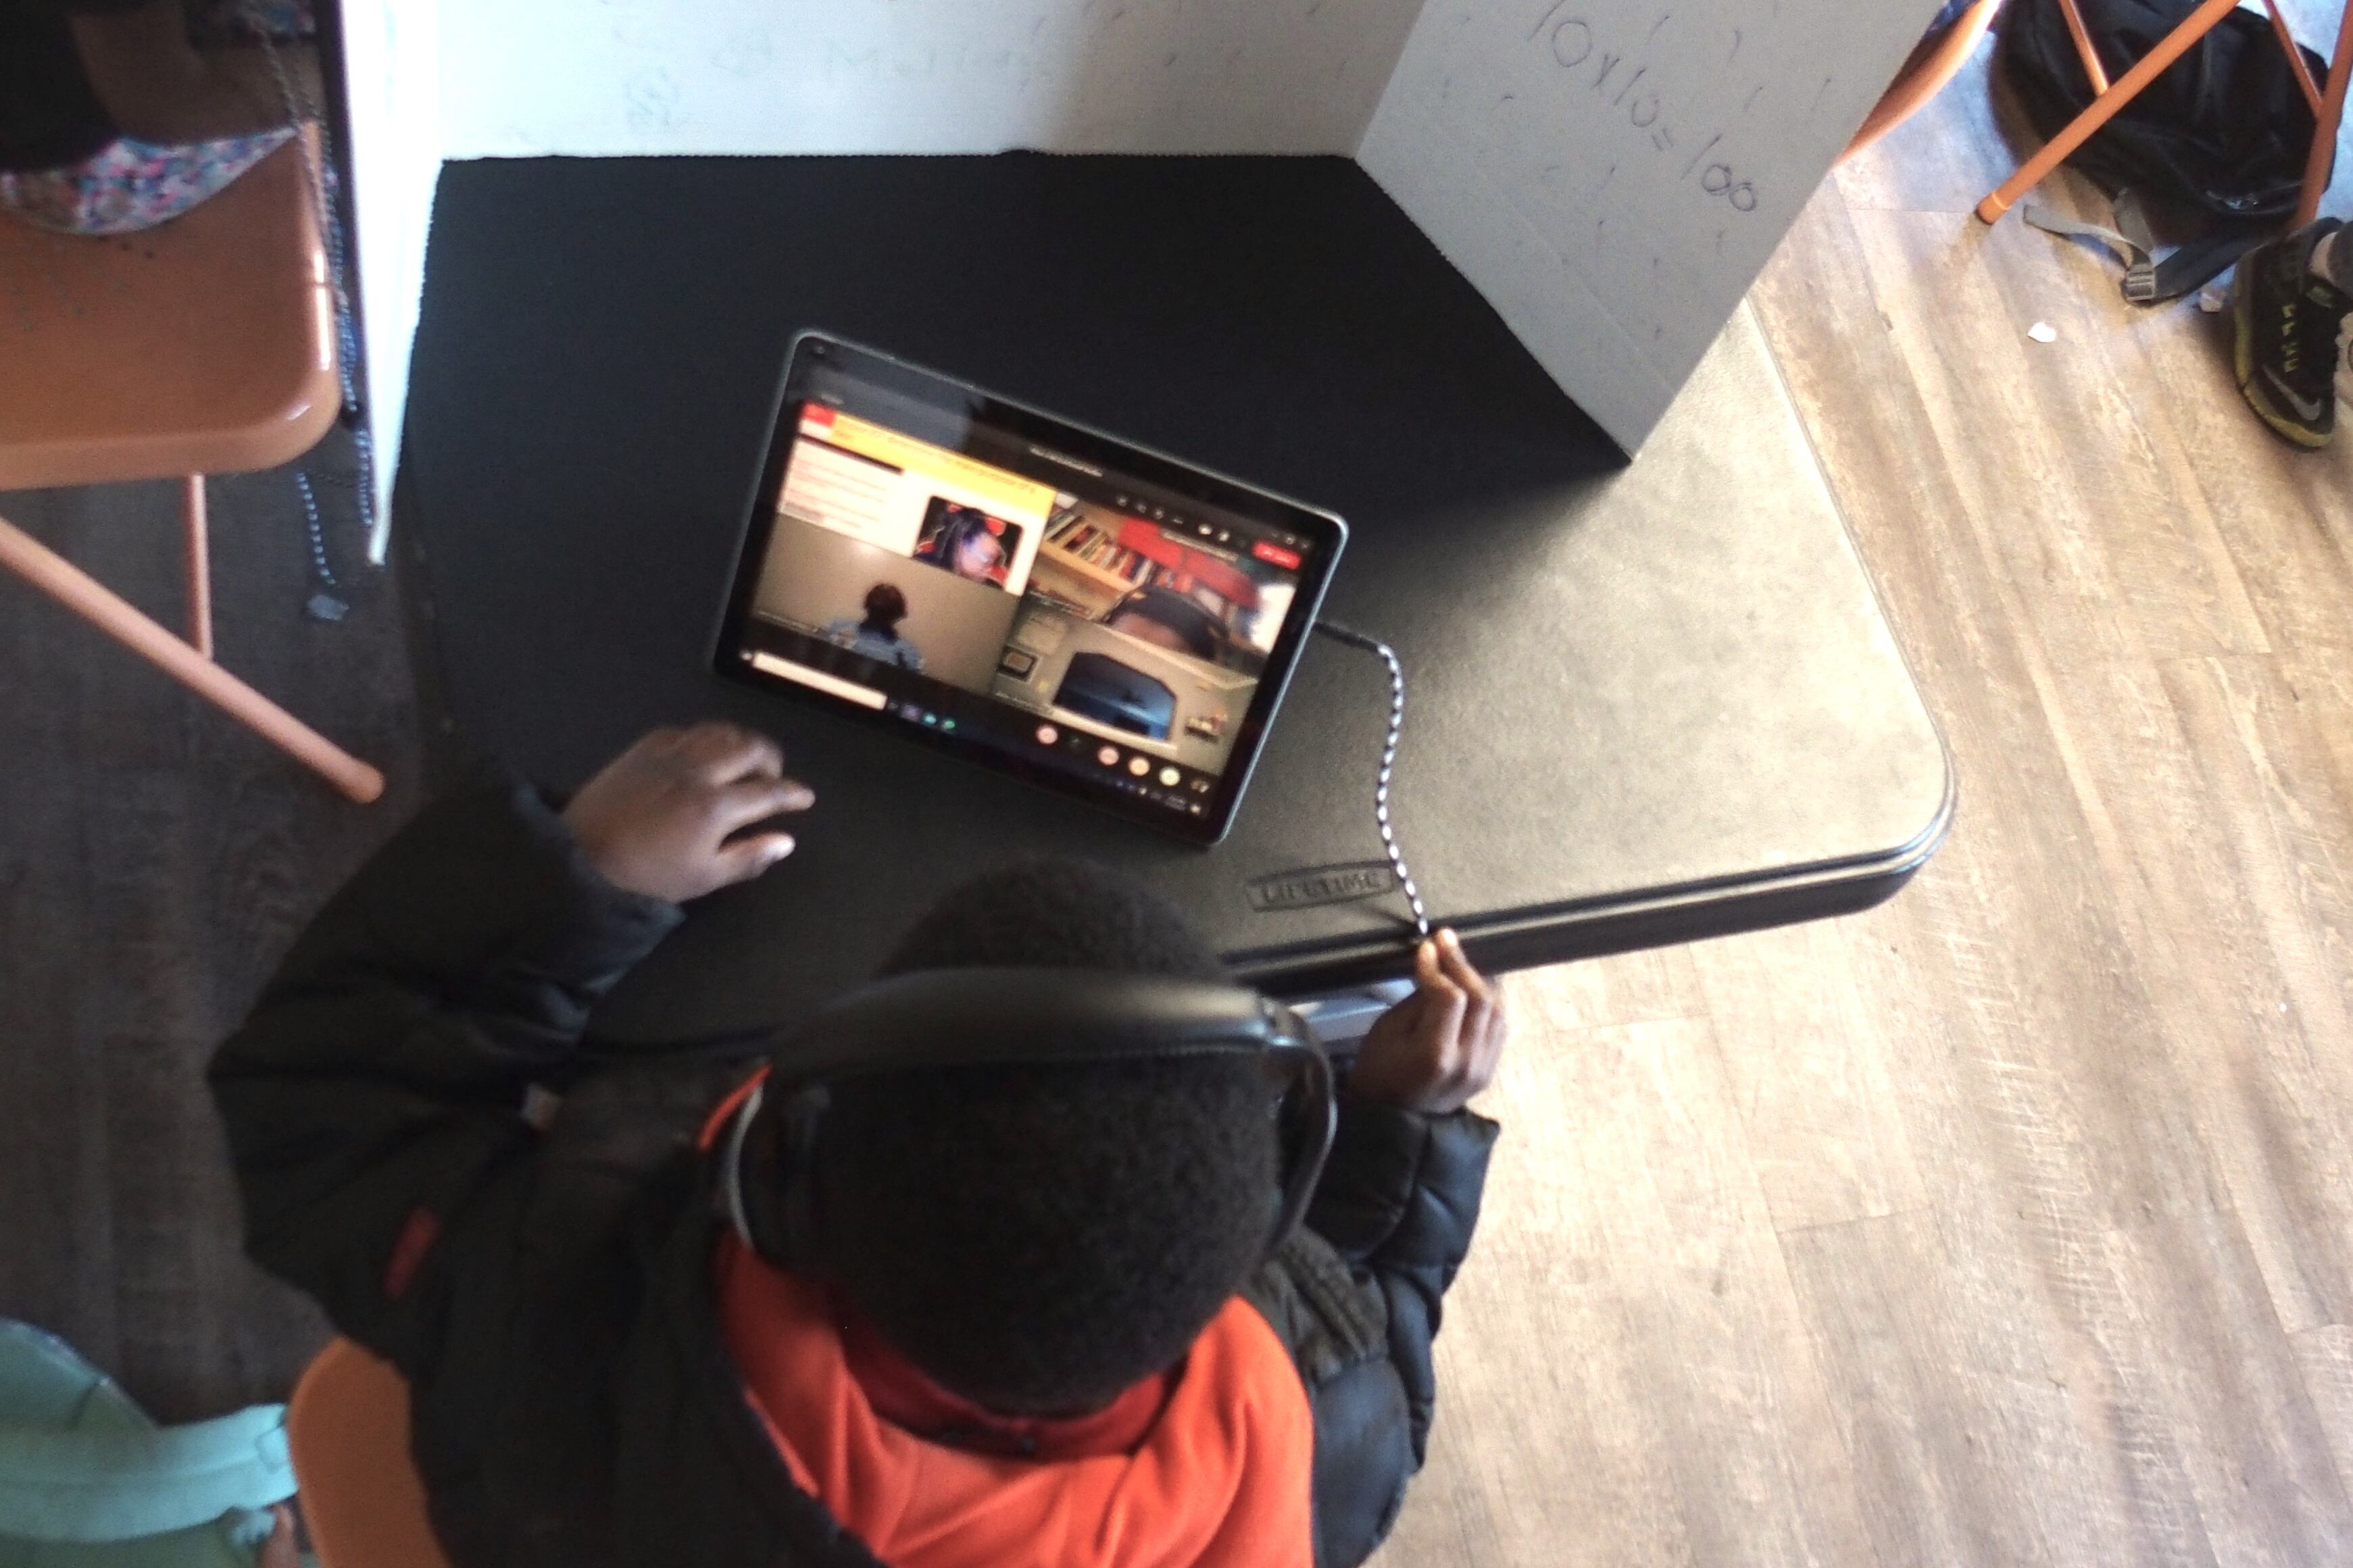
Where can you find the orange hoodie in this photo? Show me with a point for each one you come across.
(1220, 1479)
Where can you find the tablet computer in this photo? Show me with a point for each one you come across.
(1024, 592)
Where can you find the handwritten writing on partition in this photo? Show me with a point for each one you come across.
(1602, 58)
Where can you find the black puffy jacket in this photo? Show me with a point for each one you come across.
(546, 1293)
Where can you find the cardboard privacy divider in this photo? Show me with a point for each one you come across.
(1610, 174)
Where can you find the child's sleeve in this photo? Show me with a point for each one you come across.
(374, 1098)
(1398, 1201)
(1355, 1296)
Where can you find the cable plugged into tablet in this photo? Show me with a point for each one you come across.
(1387, 655)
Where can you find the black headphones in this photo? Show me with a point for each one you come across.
(970, 1017)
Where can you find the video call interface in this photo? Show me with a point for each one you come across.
(1001, 596)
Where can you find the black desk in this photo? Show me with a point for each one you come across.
(1649, 703)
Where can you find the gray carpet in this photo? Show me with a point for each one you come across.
(156, 859)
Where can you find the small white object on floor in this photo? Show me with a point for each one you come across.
(2044, 332)
(2212, 299)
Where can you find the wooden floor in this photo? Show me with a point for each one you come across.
(2011, 1223)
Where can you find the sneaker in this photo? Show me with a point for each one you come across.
(2286, 322)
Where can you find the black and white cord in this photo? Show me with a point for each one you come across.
(1387, 655)
(324, 605)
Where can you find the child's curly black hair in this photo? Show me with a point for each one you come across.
(1039, 1239)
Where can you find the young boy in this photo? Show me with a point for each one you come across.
(1045, 1333)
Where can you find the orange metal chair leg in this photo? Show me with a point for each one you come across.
(2304, 82)
(2106, 107)
(2332, 114)
(2092, 69)
(87, 597)
(192, 527)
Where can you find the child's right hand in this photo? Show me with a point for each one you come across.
(1440, 1046)
(658, 819)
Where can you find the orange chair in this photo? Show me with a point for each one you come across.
(2327, 102)
(205, 345)
(1933, 65)
(347, 1428)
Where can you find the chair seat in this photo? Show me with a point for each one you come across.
(205, 345)
(348, 1427)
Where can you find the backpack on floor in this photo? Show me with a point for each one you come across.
(2221, 133)
(86, 1480)
(2224, 129)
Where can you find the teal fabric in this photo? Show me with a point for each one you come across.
(88, 1480)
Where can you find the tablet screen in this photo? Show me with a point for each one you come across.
(1031, 594)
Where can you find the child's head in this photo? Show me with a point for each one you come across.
(886, 607)
(1038, 1239)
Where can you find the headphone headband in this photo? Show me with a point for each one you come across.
(1021, 1017)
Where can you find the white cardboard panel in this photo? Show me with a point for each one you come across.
(1560, 319)
(1613, 175)
(522, 78)
(391, 60)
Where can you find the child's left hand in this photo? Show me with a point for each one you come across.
(656, 820)
(1439, 1047)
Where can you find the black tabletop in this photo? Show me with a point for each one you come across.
(1648, 702)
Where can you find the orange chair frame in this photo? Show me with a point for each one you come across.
(204, 345)
(2328, 103)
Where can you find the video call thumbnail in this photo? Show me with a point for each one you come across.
(912, 499)
(902, 613)
(967, 542)
(1192, 588)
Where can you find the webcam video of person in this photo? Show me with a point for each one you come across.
(1120, 638)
